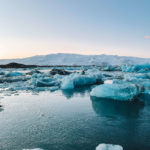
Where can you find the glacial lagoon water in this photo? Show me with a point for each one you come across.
(72, 120)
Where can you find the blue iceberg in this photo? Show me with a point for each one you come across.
(124, 92)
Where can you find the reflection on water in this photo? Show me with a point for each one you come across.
(106, 107)
(146, 98)
(128, 121)
(51, 122)
(80, 90)
(1, 108)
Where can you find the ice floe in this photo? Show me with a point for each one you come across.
(126, 91)
(109, 147)
(110, 83)
(14, 74)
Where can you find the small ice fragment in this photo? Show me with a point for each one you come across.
(46, 84)
(108, 81)
(14, 74)
(109, 147)
(54, 88)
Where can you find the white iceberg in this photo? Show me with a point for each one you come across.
(109, 147)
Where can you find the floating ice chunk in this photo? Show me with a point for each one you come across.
(129, 77)
(84, 80)
(93, 70)
(43, 81)
(14, 74)
(54, 88)
(34, 71)
(108, 81)
(57, 76)
(143, 68)
(147, 92)
(75, 80)
(2, 73)
(37, 75)
(67, 83)
(109, 147)
(126, 68)
(13, 79)
(46, 84)
(141, 80)
(110, 68)
(125, 91)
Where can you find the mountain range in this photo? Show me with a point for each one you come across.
(77, 59)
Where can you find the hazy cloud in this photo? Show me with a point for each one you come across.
(147, 37)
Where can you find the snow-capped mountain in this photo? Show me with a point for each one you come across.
(77, 59)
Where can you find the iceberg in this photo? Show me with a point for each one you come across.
(109, 147)
(2, 73)
(14, 79)
(142, 81)
(142, 68)
(124, 85)
(129, 77)
(80, 80)
(110, 68)
(67, 83)
(124, 92)
(41, 83)
(77, 80)
(54, 88)
(14, 74)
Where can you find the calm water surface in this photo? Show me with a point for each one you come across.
(71, 120)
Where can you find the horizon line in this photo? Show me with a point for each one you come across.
(76, 54)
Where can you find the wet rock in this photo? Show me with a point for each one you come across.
(59, 71)
(33, 71)
(17, 65)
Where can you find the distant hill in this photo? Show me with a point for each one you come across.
(76, 59)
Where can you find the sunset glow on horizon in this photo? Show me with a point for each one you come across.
(40, 27)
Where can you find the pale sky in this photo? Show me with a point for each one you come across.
(36, 27)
